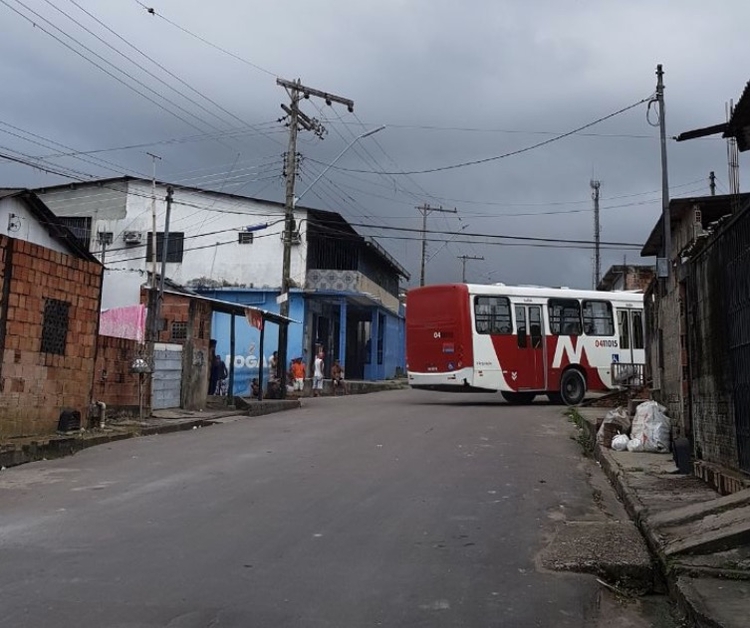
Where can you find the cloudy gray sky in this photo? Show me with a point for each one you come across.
(452, 81)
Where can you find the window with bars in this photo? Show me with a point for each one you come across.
(55, 326)
(175, 247)
(179, 330)
(245, 237)
(80, 227)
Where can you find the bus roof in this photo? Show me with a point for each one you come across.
(622, 296)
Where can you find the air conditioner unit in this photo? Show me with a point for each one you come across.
(132, 237)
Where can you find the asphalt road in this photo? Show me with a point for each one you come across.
(393, 509)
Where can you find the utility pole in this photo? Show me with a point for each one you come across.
(153, 219)
(663, 271)
(104, 238)
(712, 182)
(164, 251)
(464, 259)
(425, 210)
(297, 119)
(595, 185)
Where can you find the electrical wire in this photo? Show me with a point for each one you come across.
(513, 153)
(153, 12)
(105, 70)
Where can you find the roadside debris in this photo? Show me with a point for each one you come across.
(650, 430)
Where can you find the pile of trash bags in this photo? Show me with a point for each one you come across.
(650, 429)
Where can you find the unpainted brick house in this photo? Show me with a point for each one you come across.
(699, 320)
(50, 291)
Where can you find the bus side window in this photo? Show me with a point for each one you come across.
(521, 325)
(622, 321)
(637, 329)
(597, 318)
(564, 317)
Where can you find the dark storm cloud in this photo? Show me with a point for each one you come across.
(525, 67)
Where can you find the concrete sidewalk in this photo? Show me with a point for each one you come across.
(21, 450)
(699, 538)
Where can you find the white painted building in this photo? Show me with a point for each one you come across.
(208, 242)
(23, 217)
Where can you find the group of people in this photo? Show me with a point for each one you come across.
(298, 372)
(295, 377)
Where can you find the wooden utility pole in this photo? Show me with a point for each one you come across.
(153, 219)
(164, 249)
(464, 259)
(425, 210)
(296, 120)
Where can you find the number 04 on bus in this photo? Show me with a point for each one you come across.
(523, 341)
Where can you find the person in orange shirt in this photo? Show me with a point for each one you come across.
(298, 372)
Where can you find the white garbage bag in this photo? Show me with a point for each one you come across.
(619, 418)
(620, 442)
(651, 428)
(635, 445)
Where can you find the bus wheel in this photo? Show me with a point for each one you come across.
(518, 398)
(572, 387)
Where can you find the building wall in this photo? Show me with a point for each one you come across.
(16, 221)
(187, 322)
(247, 357)
(714, 431)
(36, 386)
(114, 384)
(210, 222)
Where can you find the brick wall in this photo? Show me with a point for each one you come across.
(114, 384)
(191, 318)
(638, 278)
(36, 385)
(714, 431)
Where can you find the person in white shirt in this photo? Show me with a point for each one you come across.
(318, 367)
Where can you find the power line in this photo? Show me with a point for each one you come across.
(136, 64)
(153, 12)
(159, 65)
(513, 153)
(103, 69)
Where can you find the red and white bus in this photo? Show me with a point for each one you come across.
(522, 341)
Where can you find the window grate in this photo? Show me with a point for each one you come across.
(179, 330)
(55, 326)
(246, 237)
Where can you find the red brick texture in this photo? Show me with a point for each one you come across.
(114, 384)
(35, 386)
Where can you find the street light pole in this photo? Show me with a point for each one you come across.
(339, 156)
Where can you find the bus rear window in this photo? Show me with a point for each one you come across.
(492, 315)
(564, 317)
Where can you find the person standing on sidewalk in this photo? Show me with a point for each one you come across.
(337, 378)
(318, 367)
(298, 375)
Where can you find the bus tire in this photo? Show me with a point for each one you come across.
(518, 398)
(572, 387)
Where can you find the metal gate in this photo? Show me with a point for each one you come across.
(167, 377)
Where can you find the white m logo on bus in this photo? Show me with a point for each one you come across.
(565, 347)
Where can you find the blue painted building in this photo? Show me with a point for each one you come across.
(348, 306)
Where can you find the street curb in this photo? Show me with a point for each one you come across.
(680, 590)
